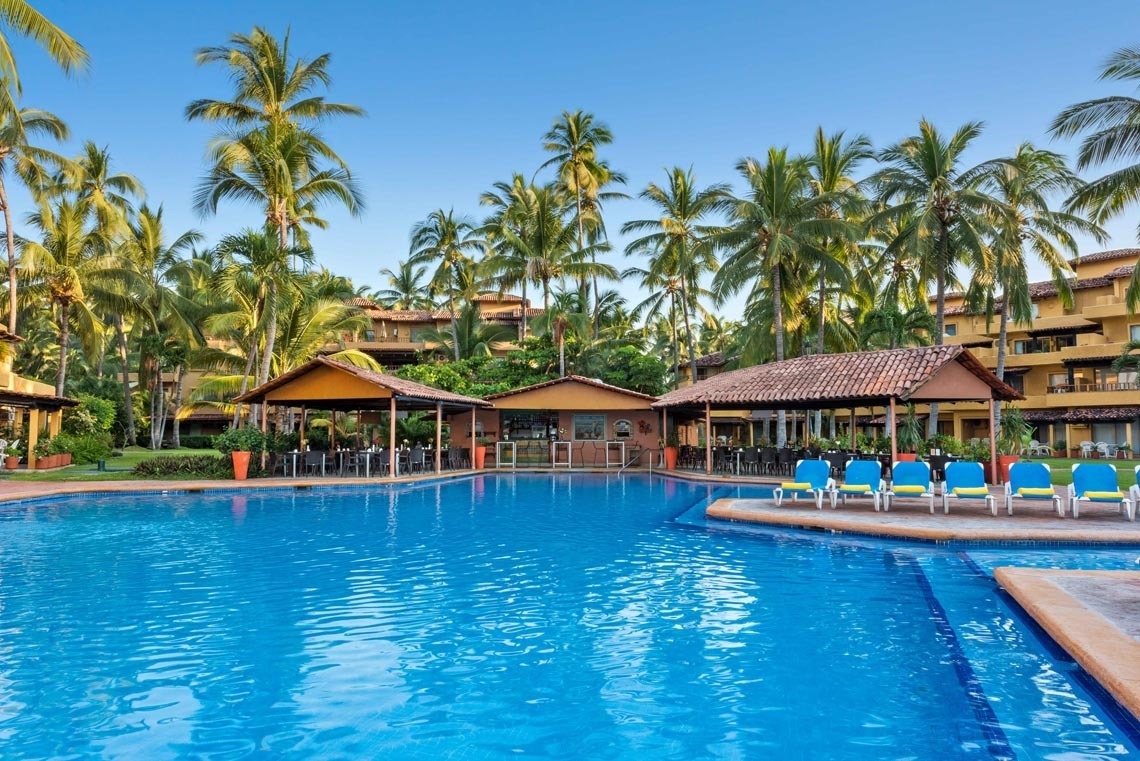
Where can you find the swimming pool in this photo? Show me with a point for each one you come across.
(564, 616)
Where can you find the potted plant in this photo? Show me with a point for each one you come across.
(479, 452)
(672, 444)
(12, 455)
(1060, 448)
(1124, 451)
(239, 444)
(62, 455)
(910, 436)
(44, 457)
(1014, 439)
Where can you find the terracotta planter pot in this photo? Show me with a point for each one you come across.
(907, 457)
(241, 465)
(65, 458)
(670, 458)
(478, 456)
(1004, 461)
(43, 463)
(11, 462)
(989, 472)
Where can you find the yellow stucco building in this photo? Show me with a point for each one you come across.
(1062, 360)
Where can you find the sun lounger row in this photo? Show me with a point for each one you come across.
(1093, 483)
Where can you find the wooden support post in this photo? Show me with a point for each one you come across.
(301, 430)
(332, 431)
(438, 436)
(894, 439)
(472, 438)
(993, 442)
(851, 433)
(393, 455)
(33, 436)
(264, 431)
(55, 419)
(1068, 440)
(708, 439)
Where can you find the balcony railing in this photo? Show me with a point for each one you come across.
(1083, 387)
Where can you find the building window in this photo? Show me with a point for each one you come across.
(589, 427)
(1059, 381)
(951, 328)
(1063, 341)
(1024, 346)
(1017, 382)
(1134, 332)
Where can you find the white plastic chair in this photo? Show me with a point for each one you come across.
(1086, 450)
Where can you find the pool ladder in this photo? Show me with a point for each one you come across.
(637, 458)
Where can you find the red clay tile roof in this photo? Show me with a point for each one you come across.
(576, 378)
(501, 298)
(408, 390)
(29, 400)
(360, 301)
(1107, 256)
(820, 380)
(716, 359)
(403, 315)
(1100, 414)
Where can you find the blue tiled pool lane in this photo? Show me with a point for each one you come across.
(512, 616)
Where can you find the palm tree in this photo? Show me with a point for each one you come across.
(446, 240)
(20, 17)
(257, 263)
(564, 317)
(1112, 125)
(951, 215)
(31, 164)
(163, 312)
(109, 194)
(508, 264)
(1024, 183)
(269, 155)
(271, 88)
(890, 328)
(778, 222)
(472, 336)
(574, 141)
(677, 242)
(65, 269)
(406, 289)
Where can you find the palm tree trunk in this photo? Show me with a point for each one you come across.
(561, 355)
(270, 334)
(688, 329)
(1003, 336)
(778, 320)
(64, 339)
(454, 324)
(819, 344)
(128, 403)
(676, 345)
(939, 313)
(522, 334)
(10, 239)
(176, 434)
(157, 408)
(245, 378)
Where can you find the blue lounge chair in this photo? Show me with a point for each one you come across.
(910, 479)
(966, 480)
(1095, 482)
(812, 476)
(1031, 481)
(1134, 490)
(863, 478)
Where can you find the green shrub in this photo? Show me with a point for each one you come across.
(196, 442)
(84, 449)
(93, 415)
(246, 439)
(187, 466)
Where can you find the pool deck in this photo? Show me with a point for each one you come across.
(1094, 615)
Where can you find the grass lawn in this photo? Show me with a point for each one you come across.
(119, 468)
(1063, 470)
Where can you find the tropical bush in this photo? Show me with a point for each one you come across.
(196, 442)
(245, 439)
(94, 414)
(85, 449)
(188, 466)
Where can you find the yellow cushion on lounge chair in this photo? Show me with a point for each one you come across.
(1104, 494)
(970, 491)
(795, 486)
(909, 489)
(856, 488)
(1035, 491)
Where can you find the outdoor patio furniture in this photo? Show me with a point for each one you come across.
(812, 476)
(966, 481)
(1095, 482)
(1086, 450)
(1134, 490)
(1037, 449)
(862, 478)
(1031, 481)
(750, 460)
(768, 460)
(314, 463)
(1107, 451)
(910, 479)
(784, 459)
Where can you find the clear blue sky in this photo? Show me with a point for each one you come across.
(460, 93)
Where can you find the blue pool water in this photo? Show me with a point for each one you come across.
(513, 617)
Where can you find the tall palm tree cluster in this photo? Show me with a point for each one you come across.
(99, 279)
(840, 247)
